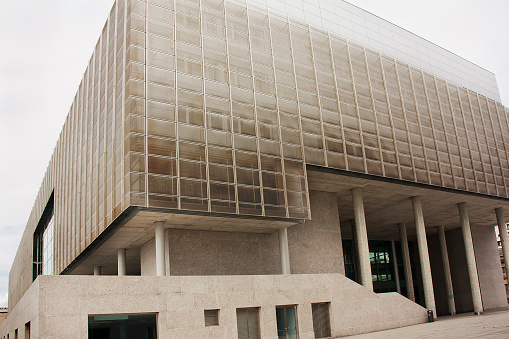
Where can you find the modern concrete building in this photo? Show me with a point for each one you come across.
(242, 169)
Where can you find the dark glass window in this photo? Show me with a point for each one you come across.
(211, 317)
(122, 326)
(286, 317)
(248, 323)
(321, 320)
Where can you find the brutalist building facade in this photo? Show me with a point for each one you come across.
(265, 170)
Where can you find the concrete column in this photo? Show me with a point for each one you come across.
(283, 251)
(427, 282)
(361, 236)
(447, 270)
(471, 264)
(502, 231)
(97, 270)
(160, 262)
(395, 263)
(407, 266)
(122, 265)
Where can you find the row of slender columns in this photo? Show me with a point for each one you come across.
(362, 251)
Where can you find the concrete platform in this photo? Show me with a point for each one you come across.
(493, 325)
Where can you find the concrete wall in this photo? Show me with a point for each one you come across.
(148, 258)
(315, 246)
(26, 310)
(58, 306)
(222, 253)
(489, 268)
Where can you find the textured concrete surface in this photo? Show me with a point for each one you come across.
(58, 306)
(491, 325)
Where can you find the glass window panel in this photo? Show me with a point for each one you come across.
(218, 121)
(222, 191)
(245, 143)
(134, 143)
(189, 52)
(221, 173)
(190, 116)
(273, 180)
(269, 163)
(189, 22)
(221, 156)
(249, 194)
(190, 82)
(268, 131)
(160, 93)
(159, 165)
(162, 201)
(161, 76)
(189, 67)
(244, 126)
(248, 177)
(162, 147)
(159, 59)
(219, 138)
(158, 43)
(135, 71)
(162, 185)
(215, 59)
(217, 105)
(192, 151)
(216, 45)
(163, 13)
(214, 30)
(188, 37)
(217, 74)
(242, 110)
(161, 128)
(136, 163)
(248, 160)
(160, 110)
(241, 80)
(269, 147)
(190, 99)
(135, 124)
(193, 188)
(217, 89)
(164, 29)
(194, 170)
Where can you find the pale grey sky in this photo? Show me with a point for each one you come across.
(47, 45)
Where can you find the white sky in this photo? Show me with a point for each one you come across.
(47, 45)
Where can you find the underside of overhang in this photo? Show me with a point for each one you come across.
(387, 203)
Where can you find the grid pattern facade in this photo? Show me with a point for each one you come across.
(218, 106)
(359, 26)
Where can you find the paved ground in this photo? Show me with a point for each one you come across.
(492, 325)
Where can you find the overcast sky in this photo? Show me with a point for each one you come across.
(47, 45)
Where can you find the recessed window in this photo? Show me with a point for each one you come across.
(27, 330)
(321, 320)
(124, 326)
(43, 242)
(286, 317)
(211, 317)
(248, 323)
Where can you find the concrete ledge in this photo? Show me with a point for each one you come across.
(58, 306)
